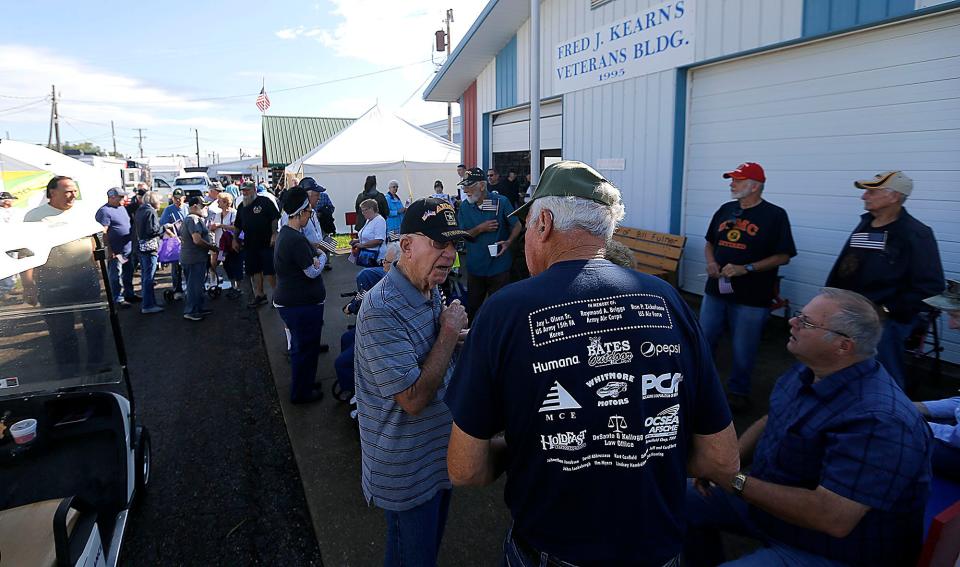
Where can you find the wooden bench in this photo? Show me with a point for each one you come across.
(655, 253)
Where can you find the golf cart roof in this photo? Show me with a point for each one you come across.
(34, 240)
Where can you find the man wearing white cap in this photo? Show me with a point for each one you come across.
(891, 258)
(945, 413)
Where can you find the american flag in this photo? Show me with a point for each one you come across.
(263, 101)
(869, 240)
(490, 205)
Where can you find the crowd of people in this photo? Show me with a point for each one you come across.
(592, 386)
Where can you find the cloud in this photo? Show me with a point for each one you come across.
(91, 98)
(387, 32)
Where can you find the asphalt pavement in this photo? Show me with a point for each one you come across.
(225, 489)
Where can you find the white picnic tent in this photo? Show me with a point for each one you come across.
(382, 144)
(26, 168)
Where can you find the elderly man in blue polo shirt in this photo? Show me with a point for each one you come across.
(841, 463)
(486, 216)
(405, 345)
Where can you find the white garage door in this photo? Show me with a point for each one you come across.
(511, 129)
(819, 116)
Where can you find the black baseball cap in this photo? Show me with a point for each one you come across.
(474, 174)
(178, 192)
(434, 218)
(193, 201)
(6, 195)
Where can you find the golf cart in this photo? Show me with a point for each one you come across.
(73, 456)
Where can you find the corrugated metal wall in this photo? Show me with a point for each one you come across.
(507, 75)
(468, 112)
(642, 131)
(823, 16)
(486, 102)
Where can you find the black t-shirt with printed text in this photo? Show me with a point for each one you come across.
(599, 377)
(744, 236)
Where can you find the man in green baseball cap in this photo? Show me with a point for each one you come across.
(571, 179)
(582, 353)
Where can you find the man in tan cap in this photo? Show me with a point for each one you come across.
(891, 258)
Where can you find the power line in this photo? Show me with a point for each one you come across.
(23, 107)
(247, 95)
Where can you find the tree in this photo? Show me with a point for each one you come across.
(88, 148)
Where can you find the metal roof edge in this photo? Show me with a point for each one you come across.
(477, 24)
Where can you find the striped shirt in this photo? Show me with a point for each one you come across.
(404, 457)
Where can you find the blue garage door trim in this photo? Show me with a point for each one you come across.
(507, 75)
(824, 16)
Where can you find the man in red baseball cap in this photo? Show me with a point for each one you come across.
(747, 241)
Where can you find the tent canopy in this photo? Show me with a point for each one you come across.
(382, 144)
(25, 170)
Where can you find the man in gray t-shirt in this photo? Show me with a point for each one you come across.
(404, 349)
(195, 246)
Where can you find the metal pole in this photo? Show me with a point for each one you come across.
(449, 105)
(113, 133)
(534, 94)
(53, 97)
(196, 137)
(140, 132)
(56, 120)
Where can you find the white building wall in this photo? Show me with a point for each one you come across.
(634, 119)
(486, 102)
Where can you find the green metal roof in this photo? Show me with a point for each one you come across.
(288, 138)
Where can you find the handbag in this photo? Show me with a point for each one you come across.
(149, 245)
(169, 251)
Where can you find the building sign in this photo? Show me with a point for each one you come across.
(656, 39)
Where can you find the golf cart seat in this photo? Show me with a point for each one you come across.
(33, 534)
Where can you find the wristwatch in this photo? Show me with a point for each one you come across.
(749, 268)
(739, 481)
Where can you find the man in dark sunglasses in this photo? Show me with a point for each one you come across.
(841, 464)
(747, 241)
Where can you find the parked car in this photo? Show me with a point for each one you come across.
(193, 184)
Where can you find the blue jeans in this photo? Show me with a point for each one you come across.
(745, 323)
(148, 269)
(514, 557)
(305, 323)
(413, 536)
(118, 272)
(196, 275)
(707, 516)
(890, 349)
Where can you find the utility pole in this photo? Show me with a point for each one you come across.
(54, 121)
(113, 133)
(449, 19)
(196, 137)
(140, 134)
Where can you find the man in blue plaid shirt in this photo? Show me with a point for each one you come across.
(841, 463)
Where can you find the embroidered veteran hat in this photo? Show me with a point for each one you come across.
(747, 170)
(571, 179)
(433, 218)
(949, 300)
(474, 174)
(892, 180)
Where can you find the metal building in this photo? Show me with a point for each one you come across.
(662, 97)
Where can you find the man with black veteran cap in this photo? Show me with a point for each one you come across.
(891, 258)
(196, 243)
(405, 352)
(603, 386)
(486, 216)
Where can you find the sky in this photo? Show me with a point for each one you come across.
(179, 67)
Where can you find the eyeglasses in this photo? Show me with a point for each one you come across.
(803, 320)
(434, 243)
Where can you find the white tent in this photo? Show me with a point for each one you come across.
(26, 168)
(387, 146)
